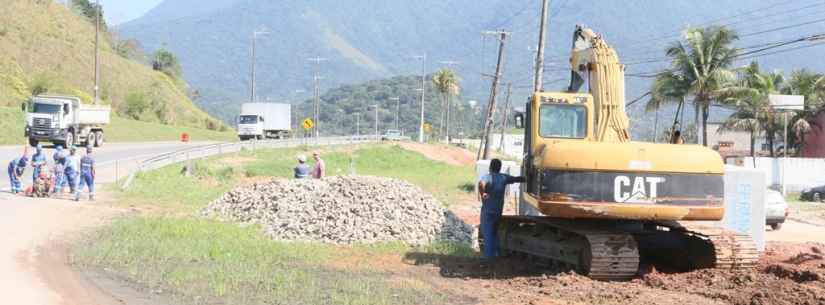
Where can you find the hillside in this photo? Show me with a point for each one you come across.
(372, 39)
(43, 45)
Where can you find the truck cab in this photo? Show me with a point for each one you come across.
(64, 120)
(250, 126)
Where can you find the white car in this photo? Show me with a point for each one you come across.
(776, 209)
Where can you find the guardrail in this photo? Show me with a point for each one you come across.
(204, 151)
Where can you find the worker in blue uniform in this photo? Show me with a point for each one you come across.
(87, 175)
(38, 162)
(16, 169)
(492, 188)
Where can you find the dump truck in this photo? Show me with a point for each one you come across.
(264, 121)
(65, 120)
(601, 204)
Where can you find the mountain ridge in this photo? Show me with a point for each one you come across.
(384, 35)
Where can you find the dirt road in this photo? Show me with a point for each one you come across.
(34, 267)
(29, 271)
(793, 231)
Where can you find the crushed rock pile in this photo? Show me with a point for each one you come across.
(342, 210)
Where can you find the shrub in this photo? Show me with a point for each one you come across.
(166, 62)
(136, 104)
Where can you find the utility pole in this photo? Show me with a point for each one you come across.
(423, 59)
(376, 120)
(97, 52)
(397, 112)
(252, 97)
(358, 124)
(491, 106)
(539, 77)
(505, 115)
(316, 109)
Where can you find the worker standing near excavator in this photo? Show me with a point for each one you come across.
(492, 188)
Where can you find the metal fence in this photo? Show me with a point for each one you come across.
(142, 163)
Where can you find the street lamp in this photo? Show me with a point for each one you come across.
(423, 59)
(255, 35)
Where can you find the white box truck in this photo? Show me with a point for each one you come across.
(65, 120)
(264, 121)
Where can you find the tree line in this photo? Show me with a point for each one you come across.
(702, 74)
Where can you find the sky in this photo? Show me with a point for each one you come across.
(120, 11)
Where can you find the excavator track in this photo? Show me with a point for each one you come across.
(732, 250)
(588, 247)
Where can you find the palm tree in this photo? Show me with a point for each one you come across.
(812, 87)
(703, 60)
(447, 84)
(751, 98)
(668, 87)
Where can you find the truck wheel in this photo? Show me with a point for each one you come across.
(776, 226)
(99, 139)
(90, 139)
(33, 142)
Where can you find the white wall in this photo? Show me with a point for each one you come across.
(745, 203)
(801, 172)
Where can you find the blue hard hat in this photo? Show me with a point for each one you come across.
(39, 146)
(59, 147)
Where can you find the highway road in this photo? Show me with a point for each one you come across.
(113, 157)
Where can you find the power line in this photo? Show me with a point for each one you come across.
(751, 54)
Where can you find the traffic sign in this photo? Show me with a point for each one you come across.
(428, 128)
(308, 124)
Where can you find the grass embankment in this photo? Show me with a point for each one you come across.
(121, 130)
(45, 47)
(219, 262)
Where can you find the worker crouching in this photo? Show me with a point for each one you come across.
(16, 169)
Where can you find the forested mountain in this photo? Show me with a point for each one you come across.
(374, 39)
(342, 106)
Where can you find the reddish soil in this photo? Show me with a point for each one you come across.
(448, 154)
(788, 273)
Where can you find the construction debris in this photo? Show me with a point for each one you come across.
(342, 210)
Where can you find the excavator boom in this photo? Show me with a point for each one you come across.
(593, 61)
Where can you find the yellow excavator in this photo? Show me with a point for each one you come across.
(602, 205)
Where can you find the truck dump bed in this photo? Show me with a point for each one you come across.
(93, 114)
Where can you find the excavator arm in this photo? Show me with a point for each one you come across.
(593, 61)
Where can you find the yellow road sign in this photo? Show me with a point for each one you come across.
(428, 128)
(308, 124)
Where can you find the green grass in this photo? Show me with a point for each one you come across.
(169, 189)
(376, 160)
(123, 130)
(227, 264)
(12, 122)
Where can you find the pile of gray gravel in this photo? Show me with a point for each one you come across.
(342, 210)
